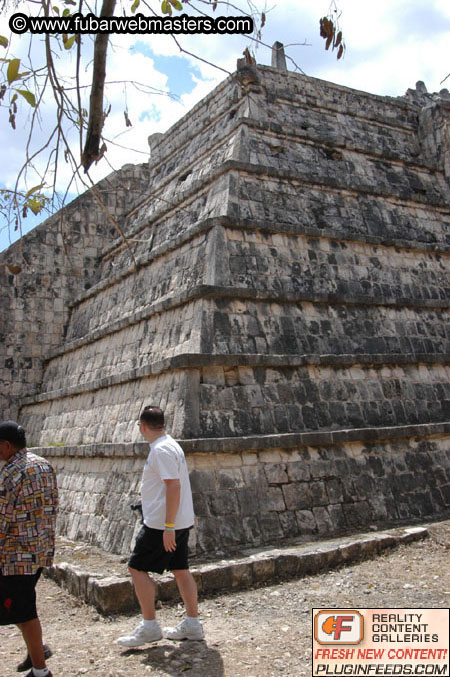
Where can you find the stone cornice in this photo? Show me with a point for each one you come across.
(254, 442)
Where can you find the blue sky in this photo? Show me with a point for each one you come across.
(179, 71)
(391, 44)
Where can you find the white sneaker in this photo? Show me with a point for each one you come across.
(141, 635)
(187, 629)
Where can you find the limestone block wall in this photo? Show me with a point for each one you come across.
(129, 350)
(234, 326)
(435, 135)
(163, 277)
(338, 394)
(174, 221)
(261, 490)
(346, 168)
(319, 210)
(277, 262)
(108, 411)
(260, 395)
(298, 93)
(58, 260)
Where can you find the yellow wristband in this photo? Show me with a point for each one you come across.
(167, 524)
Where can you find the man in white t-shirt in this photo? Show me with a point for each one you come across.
(162, 542)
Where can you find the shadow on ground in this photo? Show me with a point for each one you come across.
(196, 657)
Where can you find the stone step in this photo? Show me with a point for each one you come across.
(111, 592)
(249, 398)
(283, 269)
(104, 367)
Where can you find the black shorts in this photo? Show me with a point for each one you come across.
(18, 598)
(149, 553)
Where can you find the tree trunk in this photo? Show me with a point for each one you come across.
(92, 145)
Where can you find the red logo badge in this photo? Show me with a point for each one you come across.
(338, 627)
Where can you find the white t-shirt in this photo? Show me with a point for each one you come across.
(165, 461)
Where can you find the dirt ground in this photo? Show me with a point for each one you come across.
(261, 632)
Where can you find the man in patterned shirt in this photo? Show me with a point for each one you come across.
(28, 503)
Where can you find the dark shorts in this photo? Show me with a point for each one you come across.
(149, 553)
(18, 598)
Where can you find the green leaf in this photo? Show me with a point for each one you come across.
(13, 70)
(28, 96)
(66, 12)
(3, 41)
(69, 42)
(35, 206)
(70, 2)
(56, 10)
(176, 3)
(135, 5)
(166, 7)
(33, 190)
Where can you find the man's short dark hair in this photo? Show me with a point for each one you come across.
(12, 432)
(152, 416)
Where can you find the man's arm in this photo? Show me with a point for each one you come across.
(172, 504)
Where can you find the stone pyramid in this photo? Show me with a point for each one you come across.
(282, 291)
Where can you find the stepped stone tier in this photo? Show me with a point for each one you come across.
(282, 293)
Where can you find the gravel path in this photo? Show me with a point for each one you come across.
(261, 632)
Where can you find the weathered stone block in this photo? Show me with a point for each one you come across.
(310, 563)
(323, 520)
(319, 495)
(334, 491)
(263, 570)
(112, 595)
(274, 500)
(202, 481)
(288, 523)
(276, 473)
(223, 503)
(337, 517)
(229, 478)
(270, 526)
(297, 496)
(298, 471)
(306, 522)
(242, 575)
(215, 578)
(286, 565)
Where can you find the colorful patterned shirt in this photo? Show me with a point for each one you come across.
(28, 505)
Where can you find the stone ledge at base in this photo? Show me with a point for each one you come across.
(114, 594)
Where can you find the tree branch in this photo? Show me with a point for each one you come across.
(92, 145)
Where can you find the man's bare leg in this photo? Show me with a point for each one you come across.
(145, 588)
(188, 590)
(32, 634)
